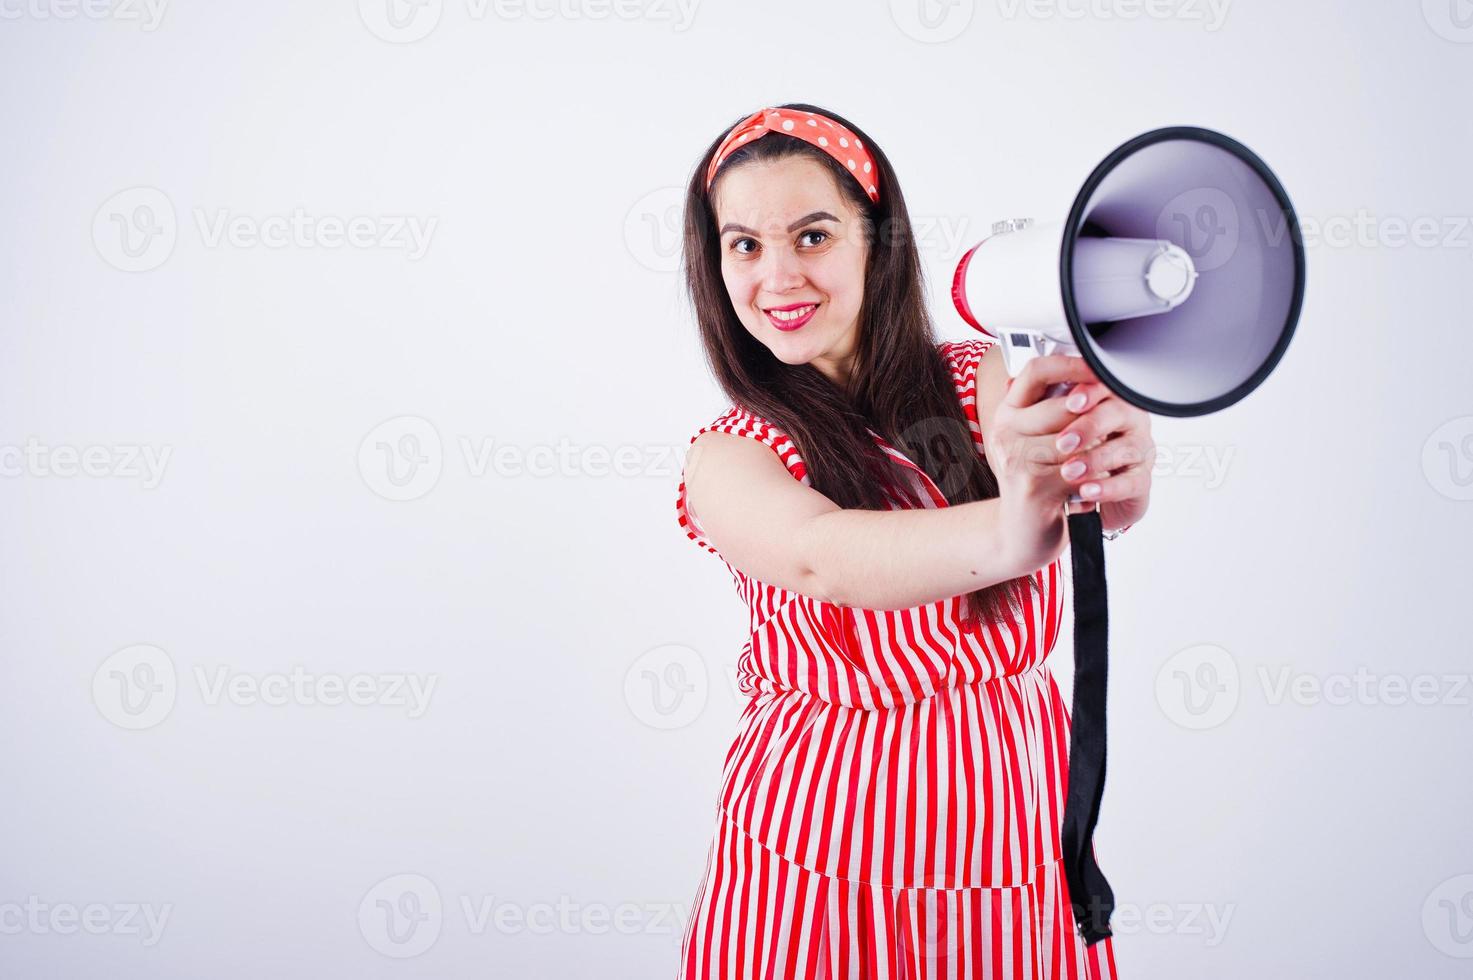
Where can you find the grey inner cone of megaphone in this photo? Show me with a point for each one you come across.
(1221, 211)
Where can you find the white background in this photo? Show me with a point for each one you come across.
(543, 146)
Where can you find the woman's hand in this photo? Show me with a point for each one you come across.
(1109, 454)
(1020, 441)
(1113, 450)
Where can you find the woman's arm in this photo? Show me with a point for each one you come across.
(779, 531)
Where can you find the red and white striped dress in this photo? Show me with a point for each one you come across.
(891, 802)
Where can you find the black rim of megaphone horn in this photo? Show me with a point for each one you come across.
(1066, 271)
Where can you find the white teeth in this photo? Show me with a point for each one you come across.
(791, 314)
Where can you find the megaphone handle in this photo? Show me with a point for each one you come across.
(1054, 391)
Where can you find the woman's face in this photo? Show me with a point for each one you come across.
(791, 241)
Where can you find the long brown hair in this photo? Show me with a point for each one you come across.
(900, 386)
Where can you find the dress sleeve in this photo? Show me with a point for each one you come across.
(740, 422)
(964, 357)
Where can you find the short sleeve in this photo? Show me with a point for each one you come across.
(739, 422)
(964, 358)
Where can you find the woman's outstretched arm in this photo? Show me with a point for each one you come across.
(779, 531)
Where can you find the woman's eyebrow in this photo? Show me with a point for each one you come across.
(815, 216)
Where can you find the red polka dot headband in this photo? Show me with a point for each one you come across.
(837, 141)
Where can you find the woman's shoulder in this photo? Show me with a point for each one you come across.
(964, 359)
(962, 356)
(740, 421)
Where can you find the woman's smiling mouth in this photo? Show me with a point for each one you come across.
(791, 317)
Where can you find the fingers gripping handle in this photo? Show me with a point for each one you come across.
(1054, 391)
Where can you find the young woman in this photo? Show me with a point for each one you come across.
(893, 512)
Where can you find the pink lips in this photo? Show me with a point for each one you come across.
(789, 325)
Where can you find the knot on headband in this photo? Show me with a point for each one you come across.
(836, 140)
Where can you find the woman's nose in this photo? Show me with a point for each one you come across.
(781, 271)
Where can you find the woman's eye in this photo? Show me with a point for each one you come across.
(736, 244)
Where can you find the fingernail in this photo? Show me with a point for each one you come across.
(1090, 490)
(1076, 402)
(1066, 442)
(1073, 468)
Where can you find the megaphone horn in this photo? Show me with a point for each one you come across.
(1178, 274)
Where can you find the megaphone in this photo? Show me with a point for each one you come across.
(1178, 274)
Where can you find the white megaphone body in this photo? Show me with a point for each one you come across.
(1178, 274)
